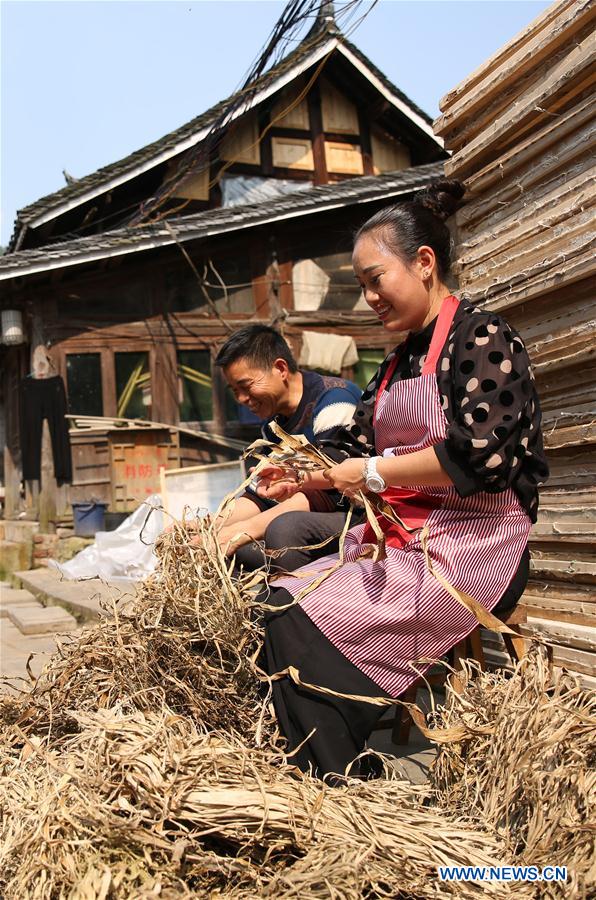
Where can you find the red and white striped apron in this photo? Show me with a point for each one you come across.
(386, 615)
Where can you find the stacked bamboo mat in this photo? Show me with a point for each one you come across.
(521, 131)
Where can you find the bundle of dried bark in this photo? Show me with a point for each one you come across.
(527, 767)
(186, 643)
(145, 762)
(137, 800)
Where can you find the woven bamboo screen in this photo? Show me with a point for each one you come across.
(521, 133)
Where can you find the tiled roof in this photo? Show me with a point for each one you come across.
(170, 141)
(122, 241)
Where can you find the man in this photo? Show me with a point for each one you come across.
(263, 375)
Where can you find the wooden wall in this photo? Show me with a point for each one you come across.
(156, 306)
(521, 131)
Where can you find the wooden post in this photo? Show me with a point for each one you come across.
(108, 382)
(365, 143)
(259, 279)
(265, 145)
(12, 480)
(317, 135)
(218, 394)
(47, 497)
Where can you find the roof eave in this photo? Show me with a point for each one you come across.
(188, 142)
(162, 237)
(318, 53)
(403, 107)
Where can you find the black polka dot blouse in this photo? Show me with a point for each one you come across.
(485, 380)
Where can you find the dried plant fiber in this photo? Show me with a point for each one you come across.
(145, 762)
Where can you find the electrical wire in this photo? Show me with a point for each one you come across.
(293, 17)
(295, 14)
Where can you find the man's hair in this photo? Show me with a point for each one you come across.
(260, 345)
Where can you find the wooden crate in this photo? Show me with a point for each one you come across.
(136, 461)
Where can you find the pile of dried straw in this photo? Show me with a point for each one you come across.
(145, 762)
(527, 768)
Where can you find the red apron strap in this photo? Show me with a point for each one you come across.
(444, 322)
(413, 506)
(385, 381)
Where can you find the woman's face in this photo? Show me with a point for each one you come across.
(396, 292)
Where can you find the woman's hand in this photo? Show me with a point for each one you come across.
(275, 483)
(347, 477)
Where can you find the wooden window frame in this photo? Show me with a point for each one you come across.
(108, 366)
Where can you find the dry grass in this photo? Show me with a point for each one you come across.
(145, 763)
(527, 769)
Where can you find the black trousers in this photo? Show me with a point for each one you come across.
(342, 726)
(44, 398)
(294, 529)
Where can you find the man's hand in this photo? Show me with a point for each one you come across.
(275, 483)
(189, 525)
(231, 537)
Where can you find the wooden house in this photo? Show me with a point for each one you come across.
(131, 277)
(521, 131)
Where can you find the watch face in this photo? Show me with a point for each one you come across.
(375, 483)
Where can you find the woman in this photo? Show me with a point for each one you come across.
(450, 431)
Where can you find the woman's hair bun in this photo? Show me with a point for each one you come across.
(442, 197)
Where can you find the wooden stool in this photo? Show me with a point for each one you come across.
(468, 648)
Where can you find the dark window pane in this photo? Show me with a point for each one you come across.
(184, 293)
(368, 363)
(127, 303)
(325, 282)
(232, 408)
(83, 382)
(194, 369)
(133, 385)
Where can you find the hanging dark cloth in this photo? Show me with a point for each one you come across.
(44, 398)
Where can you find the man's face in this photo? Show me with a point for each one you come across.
(264, 391)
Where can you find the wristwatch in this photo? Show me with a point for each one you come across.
(373, 481)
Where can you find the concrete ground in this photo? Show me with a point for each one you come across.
(83, 600)
(411, 761)
(16, 649)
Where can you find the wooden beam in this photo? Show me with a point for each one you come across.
(365, 143)
(317, 135)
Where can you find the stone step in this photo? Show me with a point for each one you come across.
(14, 556)
(83, 599)
(19, 530)
(10, 596)
(37, 619)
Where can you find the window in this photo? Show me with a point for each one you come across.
(325, 281)
(133, 385)
(184, 293)
(194, 371)
(368, 363)
(83, 381)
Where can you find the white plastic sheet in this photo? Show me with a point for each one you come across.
(124, 554)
